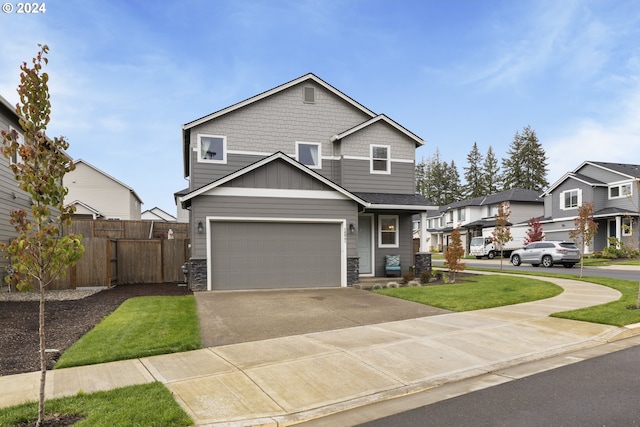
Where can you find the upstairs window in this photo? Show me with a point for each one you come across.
(380, 159)
(461, 214)
(619, 191)
(449, 217)
(388, 231)
(492, 210)
(570, 199)
(212, 149)
(309, 154)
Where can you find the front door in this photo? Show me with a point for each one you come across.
(365, 223)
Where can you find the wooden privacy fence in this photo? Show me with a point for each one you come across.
(129, 229)
(107, 262)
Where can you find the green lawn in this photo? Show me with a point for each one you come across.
(139, 405)
(142, 326)
(478, 292)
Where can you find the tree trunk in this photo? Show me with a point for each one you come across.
(43, 360)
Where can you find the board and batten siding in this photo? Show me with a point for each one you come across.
(270, 207)
(100, 192)
(405, 249)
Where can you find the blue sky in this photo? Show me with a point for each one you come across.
(125, 75)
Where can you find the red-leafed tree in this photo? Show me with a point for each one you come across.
(454, 253)
(534, 233)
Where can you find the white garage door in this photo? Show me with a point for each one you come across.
(267, 255)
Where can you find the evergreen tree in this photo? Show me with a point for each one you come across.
(453, 190)
(421, 177)
(473, 174)
(526, 164)
(491, 173)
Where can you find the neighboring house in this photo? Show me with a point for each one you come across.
(11, 197)
(97, 194)
(157, 214)
(473, 215)
(299, 186)
(613, 189)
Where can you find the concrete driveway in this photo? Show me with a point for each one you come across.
(231, 317)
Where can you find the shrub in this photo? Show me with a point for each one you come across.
(413, 283)
(408, 277)
(425, 276)
(376, 287)
(393, 285)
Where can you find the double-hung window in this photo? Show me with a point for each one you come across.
(388, 231)
(309, 154)
(570, 199)
(627, 227)
(461, 214)
(212, 149)
(380, 159)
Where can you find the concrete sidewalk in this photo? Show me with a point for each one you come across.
(285, 380)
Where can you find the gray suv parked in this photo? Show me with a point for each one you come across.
(547, 253)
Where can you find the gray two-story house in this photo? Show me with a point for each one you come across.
(613, 189)
(299, 186)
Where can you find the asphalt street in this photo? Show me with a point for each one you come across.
(602, 391)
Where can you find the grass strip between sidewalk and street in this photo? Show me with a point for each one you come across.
(139, 405)
(140, 327)
(477, 292)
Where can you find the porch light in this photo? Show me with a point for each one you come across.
(352, 228)
(200, 227)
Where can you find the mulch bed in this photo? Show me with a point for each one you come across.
(65, 323)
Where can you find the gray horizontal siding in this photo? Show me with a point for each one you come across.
(405, 249)
(268, 207)
(356, 176)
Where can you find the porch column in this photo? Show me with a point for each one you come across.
(618, 228)
(423, 232)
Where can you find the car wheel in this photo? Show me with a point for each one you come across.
(491, 255)
(535, 265)
(547, 261)
(569, 265)
(478, 257)
(515, 260)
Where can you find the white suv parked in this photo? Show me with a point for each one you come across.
(547, 253)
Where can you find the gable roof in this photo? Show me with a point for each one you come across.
(82, 162)
(278, 155)
(157, 213)
(380, 117)
(186, 128)
(511, 195)
(86, 207)
(627, 170)
(284, 86)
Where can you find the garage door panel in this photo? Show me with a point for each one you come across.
(263, 255)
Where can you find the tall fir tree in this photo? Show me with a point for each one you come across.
(474, 174)
(526, 164)
(491, 173)
(453, 190)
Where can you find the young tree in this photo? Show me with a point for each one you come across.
(454, 253)
(491, 173)
(534, 233)
(585, 229)
(473, 174)
(501, 234)
(526, 166)
(40, 252)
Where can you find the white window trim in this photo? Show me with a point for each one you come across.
(396, 244)
(371, 159)
(224, 149)
(317, 144)
(579, 203)
(621, 195)
(627, 231)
